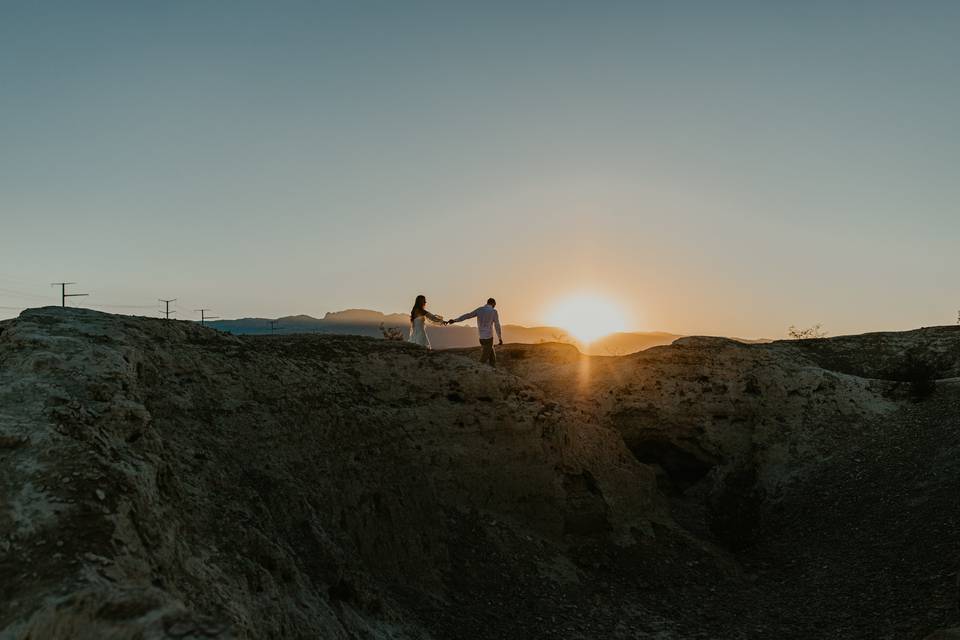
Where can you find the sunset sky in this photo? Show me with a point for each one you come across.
(717, 167)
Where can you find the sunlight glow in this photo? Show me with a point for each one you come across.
(587, 317)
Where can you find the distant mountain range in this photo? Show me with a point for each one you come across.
(365, 322)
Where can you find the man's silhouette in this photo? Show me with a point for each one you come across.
(487, 318)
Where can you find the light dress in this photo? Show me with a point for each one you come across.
(418, 333)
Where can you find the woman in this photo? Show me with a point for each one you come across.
(418, 316)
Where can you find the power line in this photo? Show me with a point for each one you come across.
(167, 302)
(63, 292)
(204, 317)
(274, 327)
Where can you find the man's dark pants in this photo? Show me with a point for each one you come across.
(488, 355)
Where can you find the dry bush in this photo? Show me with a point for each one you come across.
(391, 333)
(810, 333)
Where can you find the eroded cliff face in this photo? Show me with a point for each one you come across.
(705, 404)
(164, 478)
(726, 425)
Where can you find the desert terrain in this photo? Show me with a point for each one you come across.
(159, 479)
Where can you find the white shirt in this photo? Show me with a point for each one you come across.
(487, 318)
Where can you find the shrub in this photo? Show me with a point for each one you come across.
(391, 333)
(810, 333)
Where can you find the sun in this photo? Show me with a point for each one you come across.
(587, 317)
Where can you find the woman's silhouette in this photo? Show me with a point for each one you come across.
(418, 317)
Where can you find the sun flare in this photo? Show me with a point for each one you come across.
(587, 317)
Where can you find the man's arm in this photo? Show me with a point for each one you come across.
(496, 323)
(466, 316)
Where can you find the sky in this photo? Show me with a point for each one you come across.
(723, 168)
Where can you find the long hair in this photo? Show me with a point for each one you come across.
(418, 309)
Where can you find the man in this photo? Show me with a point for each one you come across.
(487, 318)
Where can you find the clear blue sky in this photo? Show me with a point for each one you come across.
(728, 168)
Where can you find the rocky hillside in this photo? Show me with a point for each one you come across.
(164, 480)
(711, 402)
(295, 487)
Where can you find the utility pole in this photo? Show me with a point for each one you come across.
(63, 292)
(167, 311)
(274, 327)
(204, 317)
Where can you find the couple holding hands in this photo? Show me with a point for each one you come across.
(487, 320)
